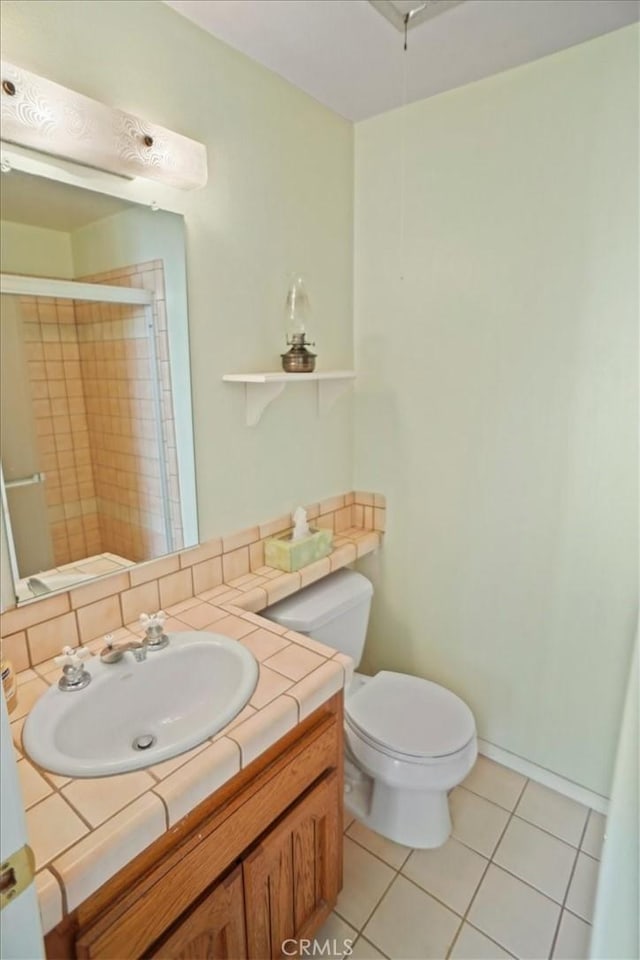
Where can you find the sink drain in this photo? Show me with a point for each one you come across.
(144, 741)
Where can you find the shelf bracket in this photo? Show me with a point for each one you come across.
(328, 393)
(258, 396)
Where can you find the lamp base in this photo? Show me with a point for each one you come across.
(298, 360)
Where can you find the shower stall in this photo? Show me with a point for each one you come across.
(89, 468)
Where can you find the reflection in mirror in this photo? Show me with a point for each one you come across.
(97, 449)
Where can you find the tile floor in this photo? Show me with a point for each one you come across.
(516, 879)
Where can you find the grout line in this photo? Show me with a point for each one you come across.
(489, 800)
(165, 805)
(433, 896)
(555, 836)
(519, 816)
(577, 916)
(361, 936)
(379, 901)
(77, 812)
(473, 926)
(376, 855)
(566, 893)
(63, 889)
(486, 869)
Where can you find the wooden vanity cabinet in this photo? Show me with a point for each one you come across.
(258, 863)
(214, 927)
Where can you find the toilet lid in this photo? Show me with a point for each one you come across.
(411, 716)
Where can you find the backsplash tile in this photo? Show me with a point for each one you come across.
(37, 630)
(99, 618)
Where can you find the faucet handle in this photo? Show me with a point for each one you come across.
(154, 620)
(74, 676)
(71, 658)
(155, 637)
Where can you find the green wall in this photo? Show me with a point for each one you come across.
(497, 335)
(279, 199)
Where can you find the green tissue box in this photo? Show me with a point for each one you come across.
(290, 555)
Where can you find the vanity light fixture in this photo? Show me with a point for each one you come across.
(52, 119)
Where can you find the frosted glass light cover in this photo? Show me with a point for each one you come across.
(298, 307)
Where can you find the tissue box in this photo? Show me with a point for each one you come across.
(287, 554)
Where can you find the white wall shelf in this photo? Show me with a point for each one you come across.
(262, 388)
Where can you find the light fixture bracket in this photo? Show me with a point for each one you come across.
(406, 14)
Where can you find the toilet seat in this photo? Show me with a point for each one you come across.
(410, 719)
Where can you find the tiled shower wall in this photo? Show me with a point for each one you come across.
(117, 370)
(90, 370)
(62, 432)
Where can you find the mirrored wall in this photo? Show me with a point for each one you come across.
(97, 444)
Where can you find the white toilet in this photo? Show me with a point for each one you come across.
(408, 740)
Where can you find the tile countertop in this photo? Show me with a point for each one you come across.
(83, 831)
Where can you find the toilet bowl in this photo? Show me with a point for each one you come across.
(408, 741)
(416, 741)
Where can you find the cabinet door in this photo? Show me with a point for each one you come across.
(293, 877)
(212, 930)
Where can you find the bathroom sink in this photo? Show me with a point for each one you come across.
(135, 714)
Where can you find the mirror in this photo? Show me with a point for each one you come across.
(97, 435)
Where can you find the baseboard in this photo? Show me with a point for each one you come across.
(546, 777)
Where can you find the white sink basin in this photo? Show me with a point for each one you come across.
(178, 696)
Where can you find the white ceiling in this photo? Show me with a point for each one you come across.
(349, 57)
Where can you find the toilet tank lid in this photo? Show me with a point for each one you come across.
(324, 600)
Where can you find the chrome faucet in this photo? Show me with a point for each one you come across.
(113, 652)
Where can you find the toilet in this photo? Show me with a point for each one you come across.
(408, 741)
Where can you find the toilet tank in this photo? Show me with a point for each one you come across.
(335, 611)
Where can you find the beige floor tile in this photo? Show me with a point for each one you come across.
(365, 880)
(363, 950)
(473, 945)
(392, 853)
(514, 915)
(555, 813)
(409, 924)
(572, 942)
(582, 889)
(52, 826)
(476, 822)
(451, 873)
(334, 939)
(98, 799)
(594, 834)
(536, 857)
(34, 787)
(496, 783)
